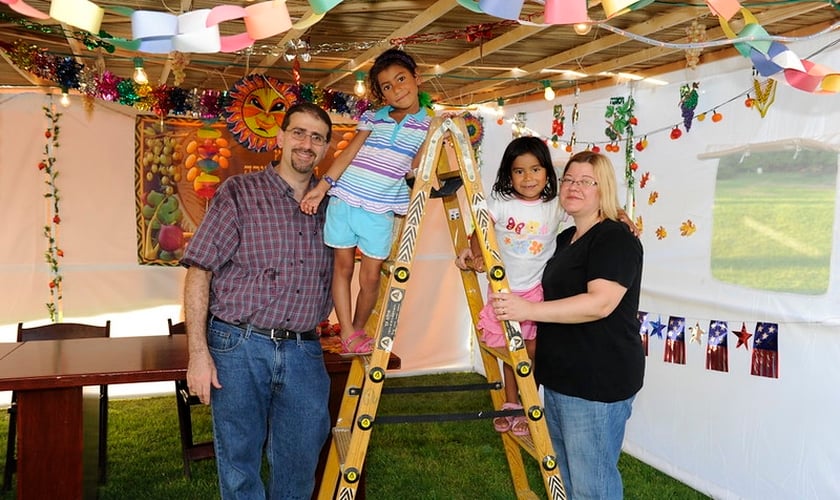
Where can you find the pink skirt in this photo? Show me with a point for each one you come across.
(491, 329)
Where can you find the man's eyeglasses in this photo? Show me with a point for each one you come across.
(580, 182)
(299, 135)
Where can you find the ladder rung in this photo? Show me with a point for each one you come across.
(527, 444)
(442, 388)
(341, 439)
(497, 352)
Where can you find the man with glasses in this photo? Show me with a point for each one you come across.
(257, 284)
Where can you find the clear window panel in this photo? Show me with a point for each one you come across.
(774, 219)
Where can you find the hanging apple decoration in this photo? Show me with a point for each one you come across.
(717, 117)
(748, 102)
(676, 133)
(596, 149)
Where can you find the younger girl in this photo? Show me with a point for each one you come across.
(526, 219)
(367, 187)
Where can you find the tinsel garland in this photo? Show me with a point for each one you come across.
(161, 100)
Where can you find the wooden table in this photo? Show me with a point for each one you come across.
(58, 422)
(56, 418)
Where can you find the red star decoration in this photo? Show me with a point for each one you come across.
(743, 337)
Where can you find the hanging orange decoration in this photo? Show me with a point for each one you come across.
(717, 117)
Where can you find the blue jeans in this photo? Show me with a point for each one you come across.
(587, 438)
(274, 396)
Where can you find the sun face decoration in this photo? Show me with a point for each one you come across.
(256, 110)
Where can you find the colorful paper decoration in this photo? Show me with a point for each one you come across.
(774, 60)
(78, 13)
(25, 9)
(322, 6)
(566, 12)
(717, 349)
(262, 20)
(696, 334)
(614, 8)
(506, 9)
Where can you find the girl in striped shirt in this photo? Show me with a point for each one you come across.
(367, 188)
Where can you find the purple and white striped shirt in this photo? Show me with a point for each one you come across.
(269, 262)
(375, 178)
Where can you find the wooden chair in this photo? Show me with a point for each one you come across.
(59, 331)
(190, 450)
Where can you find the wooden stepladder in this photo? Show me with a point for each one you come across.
(449, 158)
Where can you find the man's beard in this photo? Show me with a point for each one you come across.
(303, 166)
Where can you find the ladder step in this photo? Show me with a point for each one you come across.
(444, 417)
(498, 352)
(419, 389)
(341, 440)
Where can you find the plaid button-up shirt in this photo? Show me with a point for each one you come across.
(269, 262)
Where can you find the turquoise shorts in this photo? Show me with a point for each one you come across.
(349, 227)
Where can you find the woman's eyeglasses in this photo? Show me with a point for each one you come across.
(579, 182)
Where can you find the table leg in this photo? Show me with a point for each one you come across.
(50, 442)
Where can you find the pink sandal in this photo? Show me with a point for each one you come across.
(504, 424)
(357, 344)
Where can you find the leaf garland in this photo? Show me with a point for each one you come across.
(53, 254)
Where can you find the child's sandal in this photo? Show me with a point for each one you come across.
(357, 344)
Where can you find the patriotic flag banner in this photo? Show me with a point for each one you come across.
(644, 329)
(765, 355)
(675, 343)
(717, 349)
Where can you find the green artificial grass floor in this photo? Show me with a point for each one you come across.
(449, 460)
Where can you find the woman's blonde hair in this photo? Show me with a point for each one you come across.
(604, 172)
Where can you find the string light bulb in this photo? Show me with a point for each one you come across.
(359, 89)
(65, 100)
(140, 76)
(500, 111)
(582, 28)
(549, 92)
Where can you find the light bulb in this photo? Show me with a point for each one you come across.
(359, 89)
(140, 76)
(582, 28)
(549, 92)
(65, 100)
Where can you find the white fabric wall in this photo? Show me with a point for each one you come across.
(731, 435)
(102, 279)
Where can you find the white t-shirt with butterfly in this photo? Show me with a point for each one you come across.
(526, 232)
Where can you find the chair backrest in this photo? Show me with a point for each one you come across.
(59, 331)
(179, 328)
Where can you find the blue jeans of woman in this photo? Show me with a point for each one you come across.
(274, 397)
(587, 438)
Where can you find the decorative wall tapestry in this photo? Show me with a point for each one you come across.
(179, 164)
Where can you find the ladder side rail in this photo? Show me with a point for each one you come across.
(386, 327)
(521, 363)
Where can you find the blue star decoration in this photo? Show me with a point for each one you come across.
(743, 337)
(657, 327)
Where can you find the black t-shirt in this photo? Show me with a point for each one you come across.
(601, 360)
